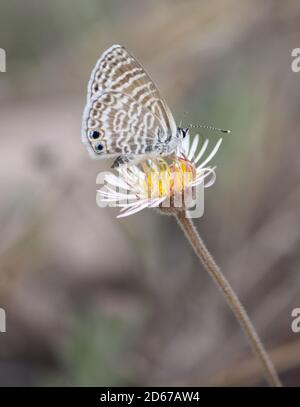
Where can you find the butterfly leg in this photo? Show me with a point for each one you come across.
(165, 149)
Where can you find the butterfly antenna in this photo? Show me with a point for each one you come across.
(203, 126)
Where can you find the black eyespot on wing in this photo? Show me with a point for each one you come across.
(99, 148)
(94, 134)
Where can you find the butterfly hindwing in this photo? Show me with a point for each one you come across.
(115, 124)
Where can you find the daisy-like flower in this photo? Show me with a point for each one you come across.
(158, 183)
(163, 182)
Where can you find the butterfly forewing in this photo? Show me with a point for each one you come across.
(124, 107)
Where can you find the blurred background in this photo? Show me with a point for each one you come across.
(91, 300)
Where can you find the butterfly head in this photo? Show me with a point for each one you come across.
(182, 132)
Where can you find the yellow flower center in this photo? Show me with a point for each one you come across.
(167, 179)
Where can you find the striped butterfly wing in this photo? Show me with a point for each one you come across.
(117, 72)
(115, 124)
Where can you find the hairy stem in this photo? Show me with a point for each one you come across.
(230, 296)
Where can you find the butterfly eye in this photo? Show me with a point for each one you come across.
(94, 134)
(98, 148)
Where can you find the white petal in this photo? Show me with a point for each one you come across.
(116, 181)
(202, 151)
(105, 192)
(203, 174)
(214, 151)
(133, 177)
(136, 209)
(116, 197)
(157, 202)
(211, 181)
(135, 171)
(115, 193)
(137, 202)
(193, 147)
(115, 201)
(107, 195)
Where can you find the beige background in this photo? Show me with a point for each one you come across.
(92, 300)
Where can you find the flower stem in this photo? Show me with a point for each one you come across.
(230, 296)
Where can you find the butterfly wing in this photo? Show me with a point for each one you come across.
(115, 124)
(117, 70)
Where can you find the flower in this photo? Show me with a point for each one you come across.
(162, 181)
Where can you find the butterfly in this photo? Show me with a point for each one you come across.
(125, 117)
